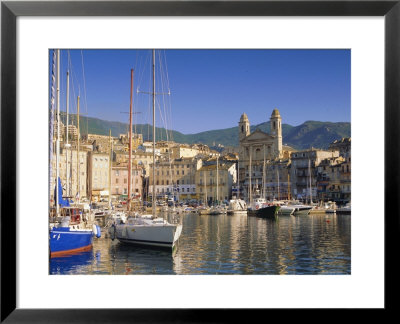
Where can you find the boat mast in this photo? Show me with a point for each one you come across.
(250, 191)
(309, 172)
(58, 132)
(217, 182)
(67, 134)
(130, 146)
(109, 173)
(277, 175)
(205, 189)
(77, 155)
(154, 137)
(263, 178)
(288, 181)
(238, 185)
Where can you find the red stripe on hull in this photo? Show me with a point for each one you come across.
(69, 252)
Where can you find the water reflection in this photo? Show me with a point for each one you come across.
(230, 244)
(71, 264)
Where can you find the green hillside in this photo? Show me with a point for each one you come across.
(309, 134)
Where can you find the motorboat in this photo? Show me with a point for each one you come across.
(346, 209)
(261, 208)
(237, 206)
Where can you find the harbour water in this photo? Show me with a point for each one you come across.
(228, 245)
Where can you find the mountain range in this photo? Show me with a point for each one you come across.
(315, 134)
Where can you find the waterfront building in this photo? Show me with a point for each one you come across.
(277, 180)
(328, 178)
(334, 174)
(119, 181)
(98, 175)
(175, 177)
(303, 170)
(343, 146)
(73, 189)
(206, 180)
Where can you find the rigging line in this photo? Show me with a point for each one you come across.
(162, 91)
(169, 98)
(84, 89)
(166, 101)
(140, 68)
(164, 82)
(72, 77)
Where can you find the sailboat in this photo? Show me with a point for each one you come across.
(303, 209)
(259, 206)
(237, 205)
(67, 233)
(217, 209)
(204, 210)
(147, 230)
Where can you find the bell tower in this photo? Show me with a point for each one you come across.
(276, 130)
(244, 127)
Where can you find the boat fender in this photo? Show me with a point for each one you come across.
(94, 228)
(98, 235)
(112, 232)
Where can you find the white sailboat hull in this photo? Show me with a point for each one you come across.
(286, 211)
(302, 210)
(159, 235)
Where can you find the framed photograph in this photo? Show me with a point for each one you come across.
(286, 117)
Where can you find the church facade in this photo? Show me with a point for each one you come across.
(254, 149)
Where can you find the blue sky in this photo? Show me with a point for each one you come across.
(210, 89)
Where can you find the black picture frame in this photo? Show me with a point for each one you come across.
(10, 10)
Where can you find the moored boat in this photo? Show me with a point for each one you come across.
(301, 210)
(261, 208)
(286, 210)
(217, 210)
(203, 210)
(346, 209)
(267, 211)
(237, 206)
(146, 230)
(68, 231)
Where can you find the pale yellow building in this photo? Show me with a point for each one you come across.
(98, 175)
(175, 177)
(183, 151)
(75, 173)
(213, 185)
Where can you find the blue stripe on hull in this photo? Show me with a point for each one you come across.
(65, 240)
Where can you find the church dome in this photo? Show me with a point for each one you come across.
(275, 113)
(244, 118)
